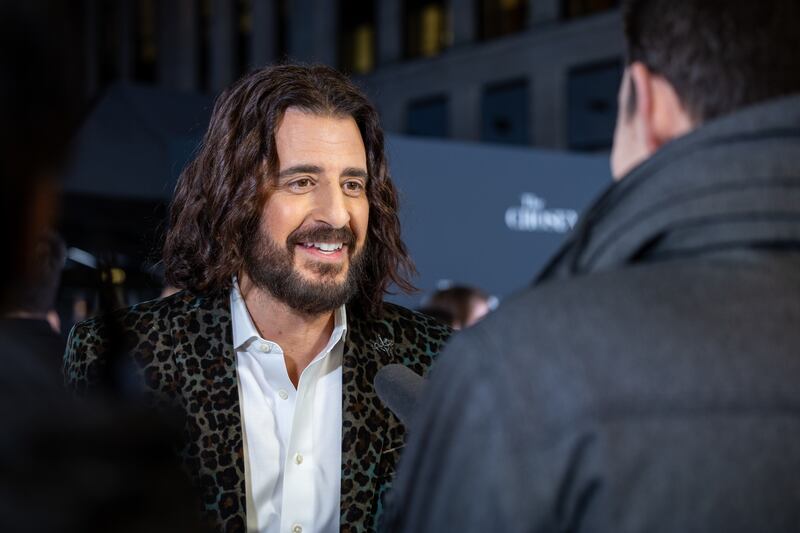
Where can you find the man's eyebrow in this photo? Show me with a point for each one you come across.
(300, 169)
(355, 172)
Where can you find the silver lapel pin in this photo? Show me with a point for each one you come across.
(383, 345)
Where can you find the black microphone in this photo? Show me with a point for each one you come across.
(400, 389)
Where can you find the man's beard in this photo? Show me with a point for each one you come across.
(271, 268)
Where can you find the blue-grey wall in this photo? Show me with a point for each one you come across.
(487, 215)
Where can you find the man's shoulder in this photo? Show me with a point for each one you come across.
(403, 313)
(146, 330)
(400, 334)
(641, 322)
(562, 323)
(611, 296)
(402, 321)
(146, 317)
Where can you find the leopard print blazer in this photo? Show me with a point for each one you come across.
(182, 349)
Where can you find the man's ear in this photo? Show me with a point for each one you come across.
(662, 116)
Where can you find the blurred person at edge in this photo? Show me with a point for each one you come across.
(64, 468)
(458, 306)
(648, 381)
(285, 236)
(27, 308)
(38, 111)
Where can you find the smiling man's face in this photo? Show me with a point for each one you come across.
(313, 228)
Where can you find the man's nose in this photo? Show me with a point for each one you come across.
(331, 206)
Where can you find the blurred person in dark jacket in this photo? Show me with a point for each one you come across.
(648, 381)
(39, 108)
(64, 467)
(27, 307)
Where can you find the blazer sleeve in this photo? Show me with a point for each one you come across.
(83, 358)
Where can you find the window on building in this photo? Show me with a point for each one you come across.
(427, 29)
(592, 105)
(243, 30)
(145, 54)
(504, 113)
(580, 8)
(203, 44)
(501, 17)
(357, 36)
(429, 117)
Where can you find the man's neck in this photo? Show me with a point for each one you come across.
(301, 336)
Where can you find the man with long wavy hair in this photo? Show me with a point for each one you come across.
(284, 236)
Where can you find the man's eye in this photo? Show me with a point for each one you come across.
(353, 187)
(302, 183)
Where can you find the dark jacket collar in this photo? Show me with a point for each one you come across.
(732, 182)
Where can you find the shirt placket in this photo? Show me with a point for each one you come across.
(278, 397)
(299, 495)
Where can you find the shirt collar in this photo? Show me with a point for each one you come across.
(244, 330)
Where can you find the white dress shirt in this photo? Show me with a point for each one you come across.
(292, 438)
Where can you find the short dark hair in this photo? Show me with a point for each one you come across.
(719, 55)
(219, 196)
(35, 292)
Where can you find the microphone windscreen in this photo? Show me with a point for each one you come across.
(399, 388)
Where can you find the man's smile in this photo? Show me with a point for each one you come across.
(326, 250)
(324, 246)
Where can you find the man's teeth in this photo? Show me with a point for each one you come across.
(324, 246)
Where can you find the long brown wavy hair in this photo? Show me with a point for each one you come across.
(220, 194)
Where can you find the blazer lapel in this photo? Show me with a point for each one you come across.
(367, 348)
(207, 368)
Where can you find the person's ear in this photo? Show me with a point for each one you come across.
(662, 116)
(641, 85)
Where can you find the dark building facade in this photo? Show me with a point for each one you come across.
(526, 72)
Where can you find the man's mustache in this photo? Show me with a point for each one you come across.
(323, 234)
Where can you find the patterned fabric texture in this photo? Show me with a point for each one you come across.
(183, 355)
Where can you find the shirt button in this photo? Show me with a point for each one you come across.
(297, 528)
(298, 458)
(264, 347)
(283, 394)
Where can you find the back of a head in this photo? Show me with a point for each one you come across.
(719, 55)
(34, 292)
